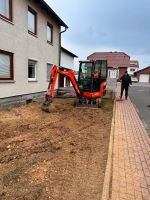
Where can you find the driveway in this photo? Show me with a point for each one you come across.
(140, 96)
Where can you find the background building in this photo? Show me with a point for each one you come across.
(67, 61)
(134, 67)
(29, 46)
(143, 75)
(117, 62)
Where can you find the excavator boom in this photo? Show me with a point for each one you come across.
(51, 87)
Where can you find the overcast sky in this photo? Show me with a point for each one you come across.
(106, 25)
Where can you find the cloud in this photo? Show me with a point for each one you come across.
(105, 25)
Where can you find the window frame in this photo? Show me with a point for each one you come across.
(32, 79)
(49, 25)
(10, 12)
(35, 21)
(11, 55)
(103, 62)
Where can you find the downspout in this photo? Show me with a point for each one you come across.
(60, 51)
(60, 44)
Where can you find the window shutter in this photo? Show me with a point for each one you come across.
(4, 66)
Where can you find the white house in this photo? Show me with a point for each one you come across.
(134, 67)
(30, 35)
(67, 61)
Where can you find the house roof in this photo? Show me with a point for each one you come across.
(49, 10)
(68, 52)
(114, 59)
(143, 69)
(111, 53)
(134, 63)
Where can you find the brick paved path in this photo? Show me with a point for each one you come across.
(131, 155)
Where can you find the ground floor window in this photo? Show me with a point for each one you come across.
(49, 68)
(6, 65)
(32, 70)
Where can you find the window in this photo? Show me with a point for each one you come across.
(49, 33)
(101, 66)
(6, 9)
(32, 70)
(6, 65)
(104, 69)
(86, 70)
(132, 70)
(32, 21)
(49, 68)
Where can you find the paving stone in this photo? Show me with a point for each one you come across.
(131, 157)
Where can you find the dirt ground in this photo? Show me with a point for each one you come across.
(59, 156)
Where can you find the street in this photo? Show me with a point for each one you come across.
(140, 96)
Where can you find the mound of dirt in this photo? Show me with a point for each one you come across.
(59, 155)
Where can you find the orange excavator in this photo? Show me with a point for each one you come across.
(89, 88)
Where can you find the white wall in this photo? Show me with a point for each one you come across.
(67, 60)
(132, 72)
(16, 39)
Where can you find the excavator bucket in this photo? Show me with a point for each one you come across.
(50, 107)
(47, 105)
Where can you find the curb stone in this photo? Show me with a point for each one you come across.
(108, 172)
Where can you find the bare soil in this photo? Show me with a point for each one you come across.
(59, 155)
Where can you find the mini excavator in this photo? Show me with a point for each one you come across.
(89, 88)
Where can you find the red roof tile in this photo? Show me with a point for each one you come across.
(114, 59)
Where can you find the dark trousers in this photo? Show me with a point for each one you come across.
(126, 91)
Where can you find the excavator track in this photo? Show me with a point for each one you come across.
(86, 104)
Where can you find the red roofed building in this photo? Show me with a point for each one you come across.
(134, 63)
(143, 75)
(117, 62)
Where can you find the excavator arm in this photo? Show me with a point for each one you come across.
(53, 78)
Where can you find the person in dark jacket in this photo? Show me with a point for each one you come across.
(126, 82)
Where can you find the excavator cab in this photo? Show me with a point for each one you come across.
(91, 75)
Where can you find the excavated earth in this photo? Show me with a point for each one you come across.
(60, 155)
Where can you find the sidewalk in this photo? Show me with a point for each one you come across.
(131, 155)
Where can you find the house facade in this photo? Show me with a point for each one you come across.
(29, 45)
(134, 67)
(117, 62)
(143, 75)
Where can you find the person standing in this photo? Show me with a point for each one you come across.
(125, 83)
